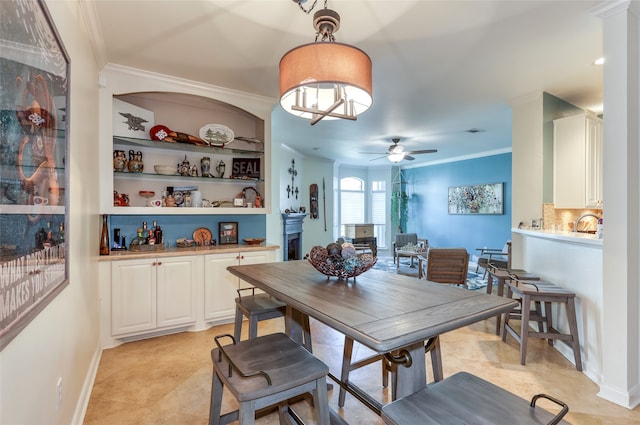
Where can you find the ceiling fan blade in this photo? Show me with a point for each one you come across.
(374, 153)
(422, 151)
(380, 157)
(408, 158)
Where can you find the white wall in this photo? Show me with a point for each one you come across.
(62, 341)
(310, 171)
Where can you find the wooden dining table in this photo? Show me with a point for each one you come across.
(387, 312)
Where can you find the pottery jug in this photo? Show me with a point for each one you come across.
(119, 161)
(135, 162)
(220, 168)
(205, 166)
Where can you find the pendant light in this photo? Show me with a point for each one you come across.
(325, 79)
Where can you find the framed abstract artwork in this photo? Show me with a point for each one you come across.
(34, 124)
(478, 199)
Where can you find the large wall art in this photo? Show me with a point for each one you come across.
(34, 111)
(478, 199)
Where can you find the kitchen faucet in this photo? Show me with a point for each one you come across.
(575, 225)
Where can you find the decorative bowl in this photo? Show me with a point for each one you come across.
(335, 265)
(254, 241)
(165, 169)
(184, 243)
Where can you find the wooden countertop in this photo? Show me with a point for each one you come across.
(178, 252)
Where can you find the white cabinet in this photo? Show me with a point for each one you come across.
(220, 286)
(149, 294)
(577, 155)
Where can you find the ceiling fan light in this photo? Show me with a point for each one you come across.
(395, 157)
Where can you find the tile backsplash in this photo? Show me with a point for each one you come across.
(563, 219)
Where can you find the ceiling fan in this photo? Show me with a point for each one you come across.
(396, 152)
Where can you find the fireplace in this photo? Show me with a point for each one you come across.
(292, 236)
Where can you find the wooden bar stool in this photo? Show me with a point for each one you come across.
(501, 275)
(484, 404)
(547, 293)
(262, 372)
(255, 307)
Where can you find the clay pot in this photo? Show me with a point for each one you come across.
(135, 162)
(119, 161)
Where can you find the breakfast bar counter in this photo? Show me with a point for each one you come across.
(573, 261)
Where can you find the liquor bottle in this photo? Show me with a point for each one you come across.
(151, 239)
(140, 239)
(104, 237)
(158, 234)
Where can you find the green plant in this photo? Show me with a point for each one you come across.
(399, 210)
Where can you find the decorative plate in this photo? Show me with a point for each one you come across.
(216, 135)
(202, 236)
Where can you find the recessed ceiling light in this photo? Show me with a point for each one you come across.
(599, 61)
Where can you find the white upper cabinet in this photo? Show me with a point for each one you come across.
(577, 157)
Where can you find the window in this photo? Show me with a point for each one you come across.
(379, 212)
(351, 202)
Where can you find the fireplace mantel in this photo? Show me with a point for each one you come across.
(292, 236)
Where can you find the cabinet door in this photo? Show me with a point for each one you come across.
(133, 296)
(220, 286)
(255, 257)
(594, 164)
(176, 287)
(569, 162)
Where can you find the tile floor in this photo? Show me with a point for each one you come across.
(166, 380)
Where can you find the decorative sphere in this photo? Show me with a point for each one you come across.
(319, 253)
(334, 249)
(348, 251)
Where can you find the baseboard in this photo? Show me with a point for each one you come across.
(87, 387)
(628, 399)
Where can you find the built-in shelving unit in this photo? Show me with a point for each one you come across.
(183, 107)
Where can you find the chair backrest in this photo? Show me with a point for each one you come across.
(447, 265)
(403, 239)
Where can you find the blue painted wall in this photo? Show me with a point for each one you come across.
(427, 188)
(182, 226)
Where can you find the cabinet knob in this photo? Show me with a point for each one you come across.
(159, 263)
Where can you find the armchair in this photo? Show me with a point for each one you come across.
(404, 239)
(498, 257)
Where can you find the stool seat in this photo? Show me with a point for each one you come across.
(291, 370)
(546, 293)
(255, 307)
(466, 399)
(501, 275)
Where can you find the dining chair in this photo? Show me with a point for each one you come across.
(448, 265)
